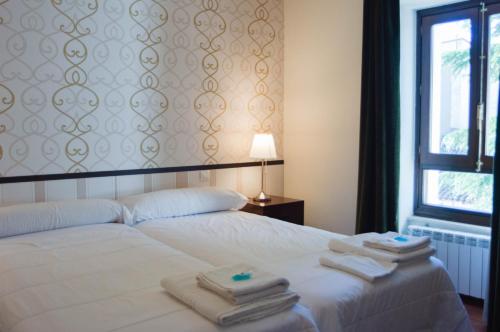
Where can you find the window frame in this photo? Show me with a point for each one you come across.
(495, 5)
(424, 160)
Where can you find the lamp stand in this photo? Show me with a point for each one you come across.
(262, 197)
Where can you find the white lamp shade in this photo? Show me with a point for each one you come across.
(263, 147)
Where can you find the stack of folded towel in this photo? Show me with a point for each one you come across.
(232, 294)
(405, 246)
(373, 255)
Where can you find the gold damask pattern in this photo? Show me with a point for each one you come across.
(96, 85)
(2, 2)
(149, 102)
(7, 98)
(181, 74)
(76, 100)
(262, 106)
(111, 72)
(210, 104)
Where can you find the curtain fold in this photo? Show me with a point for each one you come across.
(494, 277)
(378, 179)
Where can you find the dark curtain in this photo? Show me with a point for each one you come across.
(494, 288)
(379, 138)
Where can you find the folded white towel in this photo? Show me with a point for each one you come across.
(260, 285)
(396, 242)
(185, 288)
(363, 267)
(354, 245)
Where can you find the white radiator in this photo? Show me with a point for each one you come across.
(466, 257)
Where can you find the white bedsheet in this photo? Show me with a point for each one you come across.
(415, 298)
(104, 278)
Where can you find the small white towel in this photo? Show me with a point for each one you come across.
(360, 266)
(395, 242)
(260, 285)
(215, 308)
(354, 245)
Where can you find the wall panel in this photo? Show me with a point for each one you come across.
(103, 85)
(244, 180)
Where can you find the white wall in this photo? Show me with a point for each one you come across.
(323, 51)
(323, 48)
(408, 72)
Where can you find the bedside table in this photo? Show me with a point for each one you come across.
(286, 209)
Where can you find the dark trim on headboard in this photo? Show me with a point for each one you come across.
(69, 176)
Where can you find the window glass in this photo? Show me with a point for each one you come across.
(492, 83)
(458, 190)
(450, 87)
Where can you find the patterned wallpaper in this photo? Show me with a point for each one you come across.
(94, 85)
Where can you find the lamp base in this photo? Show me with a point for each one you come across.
(263, 197)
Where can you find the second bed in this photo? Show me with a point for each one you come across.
(418, 296)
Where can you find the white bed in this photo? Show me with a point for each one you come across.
(104, 278)
(416, 297)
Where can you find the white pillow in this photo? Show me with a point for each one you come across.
(39, 217)
(180, 202)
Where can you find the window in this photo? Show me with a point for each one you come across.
(458, 75)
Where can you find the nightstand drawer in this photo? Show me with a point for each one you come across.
(286, 209)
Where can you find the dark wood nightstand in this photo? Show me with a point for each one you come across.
(286, 209)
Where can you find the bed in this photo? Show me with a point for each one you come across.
(418, 297)
(104, 277)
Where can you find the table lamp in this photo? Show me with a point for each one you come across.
(263, 148)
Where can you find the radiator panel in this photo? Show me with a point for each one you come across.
(465, 256)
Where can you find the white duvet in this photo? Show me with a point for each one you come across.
(417, 297)
(104, 278)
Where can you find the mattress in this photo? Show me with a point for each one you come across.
(418, 296)
(104, 278)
